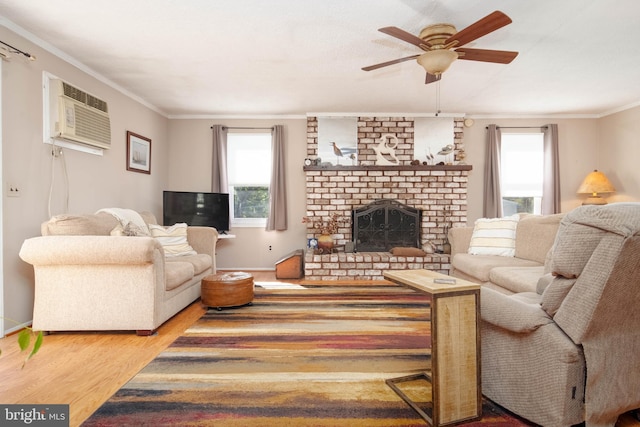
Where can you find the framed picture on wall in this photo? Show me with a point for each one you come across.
(138, 153)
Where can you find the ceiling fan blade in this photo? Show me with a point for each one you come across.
(484, 26)
(384, 64)
(486, 55)
(404, 36)
(432, 78)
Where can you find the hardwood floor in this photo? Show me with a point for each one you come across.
(85, 369)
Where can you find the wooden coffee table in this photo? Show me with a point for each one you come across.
(455, 347)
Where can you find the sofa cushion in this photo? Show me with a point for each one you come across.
(99, 224)
(535, 236)
(177, 273)
(200, 262)
(173, 239)
(479, 266)
(517, 279)
(494, 236)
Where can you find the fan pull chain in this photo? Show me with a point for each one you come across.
(438, 98)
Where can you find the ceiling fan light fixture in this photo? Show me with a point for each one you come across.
(437, 61)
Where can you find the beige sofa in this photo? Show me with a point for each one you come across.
(535, 235)
(570, 353)
(89, 276)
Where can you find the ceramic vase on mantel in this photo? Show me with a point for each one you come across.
(325, 242)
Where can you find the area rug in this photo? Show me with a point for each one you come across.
(278, 285)
(317, 356)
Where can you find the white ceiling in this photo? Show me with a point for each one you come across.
(293, 57)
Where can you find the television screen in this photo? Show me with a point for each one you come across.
(203, 209)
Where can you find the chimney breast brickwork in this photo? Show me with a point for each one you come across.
(439, 191)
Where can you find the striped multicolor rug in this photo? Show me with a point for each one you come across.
(317, 356)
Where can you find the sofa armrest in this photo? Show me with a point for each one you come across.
(203, 240)
(516, 313)
(460, 239)
(106, 250)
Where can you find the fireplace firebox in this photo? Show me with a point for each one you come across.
(385, 224)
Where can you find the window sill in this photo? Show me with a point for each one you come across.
(249, 223)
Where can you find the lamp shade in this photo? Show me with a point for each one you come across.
(437, 61)
(595, 184)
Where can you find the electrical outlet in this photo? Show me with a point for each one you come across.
(270, 248)
(13, 190)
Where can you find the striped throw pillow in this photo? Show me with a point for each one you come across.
(494, 236)
(173, 239)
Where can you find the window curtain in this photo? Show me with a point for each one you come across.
(492, 204)
(551, 174)
(219, 180)
(277, 219)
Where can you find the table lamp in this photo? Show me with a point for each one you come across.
(595, 184)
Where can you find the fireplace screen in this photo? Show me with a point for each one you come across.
(385, 224)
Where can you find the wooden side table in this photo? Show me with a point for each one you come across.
(455, 347)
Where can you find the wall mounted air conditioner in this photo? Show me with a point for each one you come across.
(78, 116)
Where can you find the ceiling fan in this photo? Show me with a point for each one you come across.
(442, 44)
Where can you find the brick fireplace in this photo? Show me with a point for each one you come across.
(439, 191)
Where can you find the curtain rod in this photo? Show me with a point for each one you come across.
(519, 127)
(240, 127)
(21, 52)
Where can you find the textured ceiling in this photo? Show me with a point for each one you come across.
(293, 57)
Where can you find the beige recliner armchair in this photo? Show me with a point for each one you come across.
(569, 353)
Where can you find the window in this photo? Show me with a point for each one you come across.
(521, 167)
(249, 172)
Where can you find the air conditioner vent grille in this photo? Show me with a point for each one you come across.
(74, 93)
(92, 126)
(97, 103)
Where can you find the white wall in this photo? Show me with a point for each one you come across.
(94, 181)
(619, 153)
(190, 170)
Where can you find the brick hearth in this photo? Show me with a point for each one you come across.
(439, 191)
(366, 265)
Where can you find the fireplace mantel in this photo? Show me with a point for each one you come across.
(389, 168)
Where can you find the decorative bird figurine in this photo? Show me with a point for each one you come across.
(337, 151)
(386, 150)
(340, 152)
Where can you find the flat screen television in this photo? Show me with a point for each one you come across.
(203, 209)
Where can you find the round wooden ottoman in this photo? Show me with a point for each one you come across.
(227, 290)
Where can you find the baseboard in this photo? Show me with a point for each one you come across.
(17, 328)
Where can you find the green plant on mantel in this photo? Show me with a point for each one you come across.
(24, 341)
